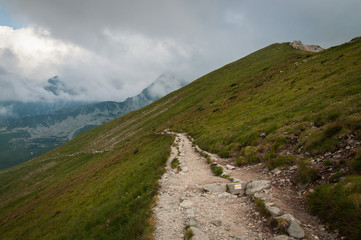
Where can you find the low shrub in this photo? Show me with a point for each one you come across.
(189, 234)
(250, 155)
(336, 177)
(175, 163)
(340, 205)
(280, 161)
(261, 207)
(240, 160)
(332, 130)
(327, 162)
(355, 166)
(306, 174)
(217, 170)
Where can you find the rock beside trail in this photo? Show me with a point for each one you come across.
(281, 237)
(237, 188)
(230, 167)
(192, 222)
(273, 210)
(289, 218)
(215, 188)
(256, 186)
(295, 230)
(186, 204)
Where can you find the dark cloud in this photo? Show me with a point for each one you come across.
(123, 45)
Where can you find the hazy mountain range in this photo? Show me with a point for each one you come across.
(31, 129)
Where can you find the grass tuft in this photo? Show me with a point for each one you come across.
(217, 170)
(189, 234)
(280, 161)
(306, 174)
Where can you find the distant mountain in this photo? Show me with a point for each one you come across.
(24, 138)
(17, 109)
(13, 109)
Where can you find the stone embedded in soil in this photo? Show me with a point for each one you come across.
(256, 186)
(186, 204)
(230, 167)
(216, 223)
(276, 171)
(237, 188)
(289, 218)
(273, 210)
(295, 230)
(215, 188)
(192, 222)
(281, 237)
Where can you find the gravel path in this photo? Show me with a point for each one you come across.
(182, 201)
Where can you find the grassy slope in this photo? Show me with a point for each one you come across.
(72, 192)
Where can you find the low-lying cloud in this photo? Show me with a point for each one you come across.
(112, 49)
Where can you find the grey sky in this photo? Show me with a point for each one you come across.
(112, 49)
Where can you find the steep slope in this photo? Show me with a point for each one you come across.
(276, 101)
(22, 139)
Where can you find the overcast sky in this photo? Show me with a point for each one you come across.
(112, 49)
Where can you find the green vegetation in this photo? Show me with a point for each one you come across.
(102, 183)
(280, 161)
(339, 204)
(356, 164)
(306, 174)
(175, 164)
(261, 207)
(189, 234)
(217, 170)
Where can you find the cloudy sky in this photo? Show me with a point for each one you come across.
(112, 49)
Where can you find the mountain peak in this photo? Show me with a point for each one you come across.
(57, 87)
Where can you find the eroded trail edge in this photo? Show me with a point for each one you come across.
(193, 202)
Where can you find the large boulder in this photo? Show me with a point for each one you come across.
(257, 186)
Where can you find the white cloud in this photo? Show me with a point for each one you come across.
(122, 68)
(112, 49)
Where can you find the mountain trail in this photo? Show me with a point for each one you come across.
(192, 199)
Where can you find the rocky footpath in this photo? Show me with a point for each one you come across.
(245, 203)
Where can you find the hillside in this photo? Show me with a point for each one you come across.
(276, 102)
(22, 139)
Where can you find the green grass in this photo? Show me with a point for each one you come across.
(339, 205)
(217, 170)
(305, 173)
(175, 163)
(280, 161)
(101, 185)
(189, 234)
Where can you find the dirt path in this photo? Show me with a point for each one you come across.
(182, 201)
